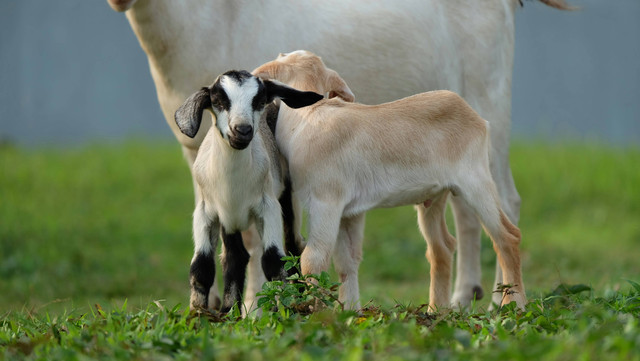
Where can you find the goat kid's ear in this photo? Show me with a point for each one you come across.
(292, 97)
(338, 87)
(269, 70)
(189, 115)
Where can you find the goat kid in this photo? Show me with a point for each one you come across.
(239, 178)
(347, 158)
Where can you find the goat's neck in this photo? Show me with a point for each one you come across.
(227, 158)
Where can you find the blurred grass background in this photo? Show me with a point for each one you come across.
(105, 223)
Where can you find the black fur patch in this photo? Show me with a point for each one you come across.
(239, 76)
(290, 96)
(478, 293)
(219, 98)
(271, 116)
(260, 100)
(203, 272)
(288, 218)
(234, 269)
(189, 115)
(272, 264)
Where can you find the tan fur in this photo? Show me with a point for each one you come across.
(448, 120)
(346, 158)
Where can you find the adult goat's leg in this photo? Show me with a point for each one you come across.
(468, 284)
(347, 257)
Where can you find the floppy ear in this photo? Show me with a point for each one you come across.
(189, 115)
(338, 87)
(292, 97)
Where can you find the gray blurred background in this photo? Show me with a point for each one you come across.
(72, 72)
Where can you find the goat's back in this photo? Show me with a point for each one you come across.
(416, 129)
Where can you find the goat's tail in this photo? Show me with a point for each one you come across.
(558, 4)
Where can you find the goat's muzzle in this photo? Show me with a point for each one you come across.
(240, 136)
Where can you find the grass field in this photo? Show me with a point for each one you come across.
(107, 223)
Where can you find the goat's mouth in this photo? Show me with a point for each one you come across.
(239, 142)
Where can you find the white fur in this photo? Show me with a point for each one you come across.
(386, 50)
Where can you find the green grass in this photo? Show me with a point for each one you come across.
(104, 224)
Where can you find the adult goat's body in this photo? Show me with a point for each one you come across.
(386, 50)
(346, 158)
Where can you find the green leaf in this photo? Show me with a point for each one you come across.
(635, 285)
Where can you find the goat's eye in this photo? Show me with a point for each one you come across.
(259, 102)
(219, 100)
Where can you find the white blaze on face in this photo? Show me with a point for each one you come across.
(241, 94)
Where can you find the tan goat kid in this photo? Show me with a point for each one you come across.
(347, 158)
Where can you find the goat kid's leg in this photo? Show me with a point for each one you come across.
(324, 223)
(347, 256)
(269, 225)
(291, 214)
(234, 267)
(203, 268)
(510, 198)
(190, 156)
(468, 284)
(505, 236)
(506, 239)
(255, 275)
(440, 248)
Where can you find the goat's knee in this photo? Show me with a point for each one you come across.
(440, 251)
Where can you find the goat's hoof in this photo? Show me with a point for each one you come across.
(215, 302)
(464, 299)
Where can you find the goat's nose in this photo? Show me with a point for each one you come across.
(243, 129)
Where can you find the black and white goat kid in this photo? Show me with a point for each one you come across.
(239, 178)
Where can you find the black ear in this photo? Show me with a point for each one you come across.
(189, 115)
(292, 97)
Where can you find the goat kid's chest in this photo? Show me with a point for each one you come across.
(232, 188)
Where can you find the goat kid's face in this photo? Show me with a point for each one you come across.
(237, 100)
